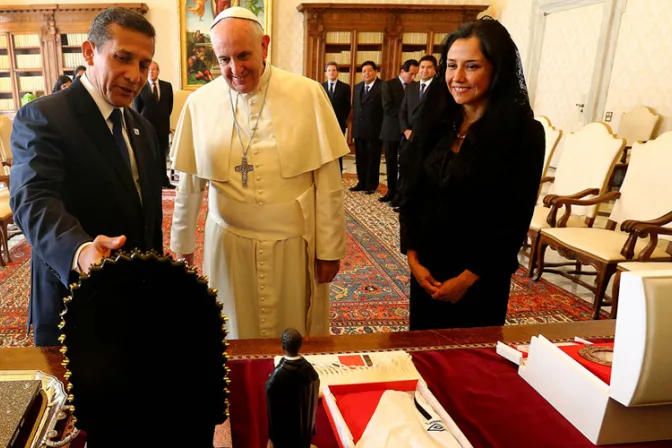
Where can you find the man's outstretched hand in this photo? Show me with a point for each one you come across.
(101, 247)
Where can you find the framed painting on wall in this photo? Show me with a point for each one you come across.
(197, 59)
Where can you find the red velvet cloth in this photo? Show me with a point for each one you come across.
(481, 391)
(600, 371)
(249, 421)
(494, 407)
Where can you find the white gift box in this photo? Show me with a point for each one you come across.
(340, 427)
(359, 372)
(637, 405)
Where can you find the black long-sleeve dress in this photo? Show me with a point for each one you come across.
(470, 211)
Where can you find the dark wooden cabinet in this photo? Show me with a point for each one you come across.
(350, 34)
(387, 34)
(40, 42)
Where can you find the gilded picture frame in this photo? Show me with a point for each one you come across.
(198, 62)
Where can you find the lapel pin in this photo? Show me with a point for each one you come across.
(136, 131)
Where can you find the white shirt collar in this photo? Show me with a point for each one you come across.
(104, 107)
(402, 81)
(427, 83)
(372, 82)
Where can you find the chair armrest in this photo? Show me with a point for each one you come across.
(643, 230)
(550, 198)
(630, 224)
(567, 202)
(547, 179)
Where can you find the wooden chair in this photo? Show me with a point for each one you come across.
(585, 166)
(179, 98)
(643, 208)
(5, 150)
(6, 218)
(6, 215)
(631, 266)
(553, 137)
(637, 125)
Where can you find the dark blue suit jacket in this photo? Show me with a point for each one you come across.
(367, 119)
(70, 184)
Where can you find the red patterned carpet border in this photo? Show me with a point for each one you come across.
(369, 295)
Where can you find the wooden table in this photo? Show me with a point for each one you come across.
(48, 359)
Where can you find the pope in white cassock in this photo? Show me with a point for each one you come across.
(266, 143)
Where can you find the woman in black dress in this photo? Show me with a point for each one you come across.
(473, 172)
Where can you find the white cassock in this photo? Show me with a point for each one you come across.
(261, 242)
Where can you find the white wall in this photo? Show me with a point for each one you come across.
(516, 16)
(642, 71)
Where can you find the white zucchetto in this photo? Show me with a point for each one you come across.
(236, 12)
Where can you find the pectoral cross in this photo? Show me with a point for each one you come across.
(243, 169)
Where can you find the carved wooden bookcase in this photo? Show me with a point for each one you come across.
(386, 34)
(40, 42)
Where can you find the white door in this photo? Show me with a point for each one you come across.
(564, 78)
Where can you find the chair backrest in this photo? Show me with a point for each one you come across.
(646, 192)
(587, 161)
(5, 134)
(637, 125)
(179, 98)
(552, 138)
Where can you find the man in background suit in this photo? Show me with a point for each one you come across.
(414, 97)
(84, 187)
(79, 71)
(366, 124)
(155, 103)
(339, 95)
(392, 95)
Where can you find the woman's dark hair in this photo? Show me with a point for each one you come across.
(62, 79)
(507, 87)
(125, 18)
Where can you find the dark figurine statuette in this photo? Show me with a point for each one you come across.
(292, 391)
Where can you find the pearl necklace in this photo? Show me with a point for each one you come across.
(457, 134)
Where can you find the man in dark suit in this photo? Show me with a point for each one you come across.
(366, 124)
(155, 103)
(339, 95)
(414, 97)
(393, 94)
(84, 187)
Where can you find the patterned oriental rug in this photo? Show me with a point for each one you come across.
(369, 295)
